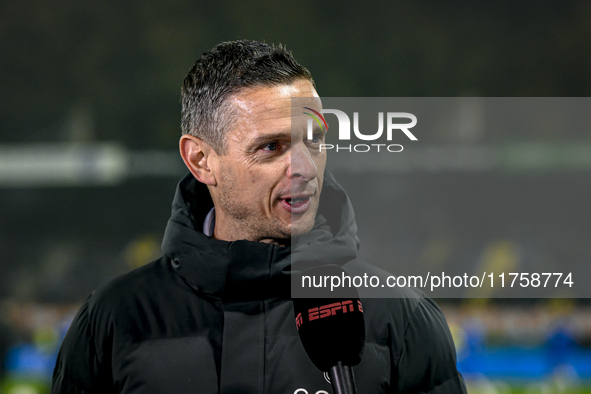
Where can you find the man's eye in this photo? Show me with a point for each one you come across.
(271, 146)
(315, 139)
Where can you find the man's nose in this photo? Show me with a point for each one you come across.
(302, 165)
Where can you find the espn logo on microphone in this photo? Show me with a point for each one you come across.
(329, 310)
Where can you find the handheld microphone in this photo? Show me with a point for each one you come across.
(332, 330)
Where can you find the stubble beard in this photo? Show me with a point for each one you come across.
(246, 221)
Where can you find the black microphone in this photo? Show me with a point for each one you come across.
(332, 330)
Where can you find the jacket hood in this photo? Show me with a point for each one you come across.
(246, 270)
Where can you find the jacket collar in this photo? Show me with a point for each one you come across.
(246, 270)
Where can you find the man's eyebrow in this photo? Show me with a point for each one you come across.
(272, 136)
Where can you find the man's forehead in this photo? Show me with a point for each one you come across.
(273, 102)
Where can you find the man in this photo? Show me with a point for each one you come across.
(213, 315)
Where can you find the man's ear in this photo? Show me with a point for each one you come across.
(198, 156)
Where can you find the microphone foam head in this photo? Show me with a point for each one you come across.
(331, 329)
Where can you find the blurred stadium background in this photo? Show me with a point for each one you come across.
(89, 125)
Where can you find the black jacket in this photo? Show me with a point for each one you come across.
(216, 317)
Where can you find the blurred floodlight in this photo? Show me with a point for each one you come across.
(62, 164)
(81, 164)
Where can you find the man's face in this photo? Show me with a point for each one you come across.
(269, 179)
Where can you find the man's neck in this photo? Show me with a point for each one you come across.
(275, 241)
(211, 230)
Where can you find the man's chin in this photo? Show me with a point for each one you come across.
(301, 226)
(286, 233)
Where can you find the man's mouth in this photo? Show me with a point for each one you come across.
(296, 205)
(297, 201)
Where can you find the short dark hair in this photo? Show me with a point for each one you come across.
(226, 69)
